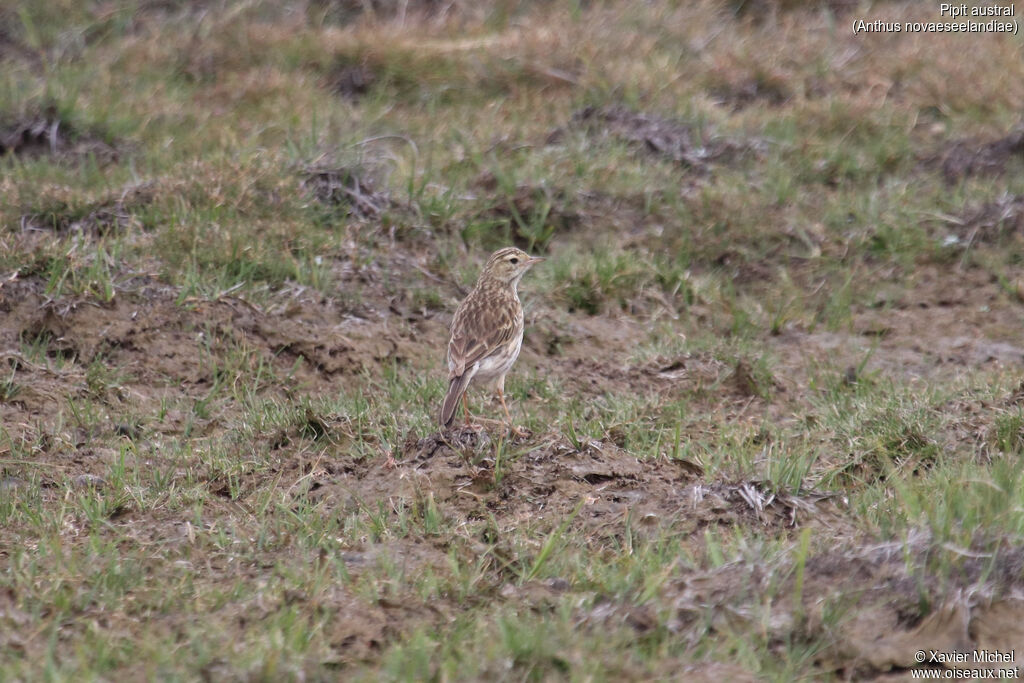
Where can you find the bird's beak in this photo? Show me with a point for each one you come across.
(536, 259)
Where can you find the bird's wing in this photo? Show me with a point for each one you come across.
(477, 332)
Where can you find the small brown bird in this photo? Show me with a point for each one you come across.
(487, 331)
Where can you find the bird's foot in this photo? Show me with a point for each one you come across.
(521, 432)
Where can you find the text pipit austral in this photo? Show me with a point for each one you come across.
(487, 331)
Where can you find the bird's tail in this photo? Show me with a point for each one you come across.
(456, 388)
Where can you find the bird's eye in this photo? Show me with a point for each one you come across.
(514, 260)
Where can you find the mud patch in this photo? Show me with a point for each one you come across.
(931, 330)
(164, 348)
(329, 351)
(46, 133)
(476, 475)
(976, 157)
(665, 138)
(473, 475)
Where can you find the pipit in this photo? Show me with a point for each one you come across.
(487, 331)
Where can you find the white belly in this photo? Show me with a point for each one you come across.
(494, 367)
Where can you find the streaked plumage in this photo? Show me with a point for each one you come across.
(487, 330)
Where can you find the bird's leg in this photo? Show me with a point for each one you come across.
(501, 397)
(518, 431)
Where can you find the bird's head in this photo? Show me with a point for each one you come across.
(509, 264)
